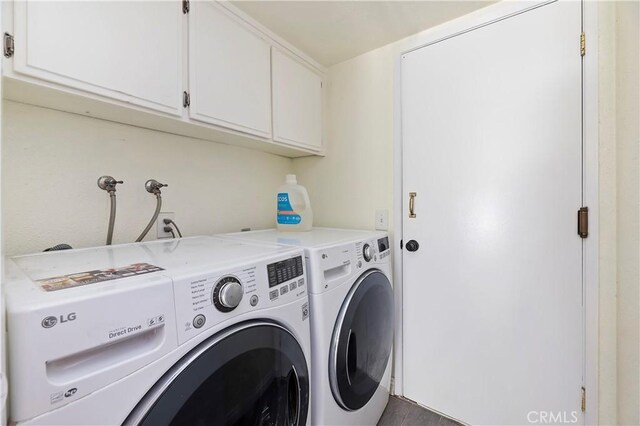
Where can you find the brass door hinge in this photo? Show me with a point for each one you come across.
(186, 99)
(583, 44)
(583, 404)
(583, 222)
(9, 45)
(185, 6)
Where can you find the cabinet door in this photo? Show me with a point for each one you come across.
(297, 102)
(229, 71)
(129, 51)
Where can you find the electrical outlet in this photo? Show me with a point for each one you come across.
(160, 224)
(382, 220)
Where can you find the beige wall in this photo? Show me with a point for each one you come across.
(355, 178)
(619, 232)
(628, 180)
(607, 362)
(51, 161)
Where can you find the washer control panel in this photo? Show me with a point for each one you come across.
(339, 263)
(371, 251)
(285, 270)
(207, 299)
(286, 276)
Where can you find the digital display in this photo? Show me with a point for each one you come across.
(383, 244)
(284, 271)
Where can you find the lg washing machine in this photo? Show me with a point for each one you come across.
(191, 331)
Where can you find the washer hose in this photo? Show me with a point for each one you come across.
(112, 217)
(153, 219)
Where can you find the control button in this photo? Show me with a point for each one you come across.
(359, 263)
(273, 294)
(161, 318)
(227, 293)
(284, 290)
(305, 311)
(199, 320)
(293, 286)
(367, 252)
(230, 295)
(254, 300)
(300, 282)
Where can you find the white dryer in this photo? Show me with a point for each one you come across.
(199, 330)
(352, 320)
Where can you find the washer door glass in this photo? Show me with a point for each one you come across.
(362, 339)
(252, 374)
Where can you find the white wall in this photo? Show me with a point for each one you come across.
(51, 161)
(355, 178)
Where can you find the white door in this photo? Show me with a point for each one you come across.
(125, 50)
(491, 123)
(229, 71)
(297, 102)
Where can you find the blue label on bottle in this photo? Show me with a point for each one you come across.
(286, 214)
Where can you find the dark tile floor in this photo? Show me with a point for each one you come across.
(400, 412)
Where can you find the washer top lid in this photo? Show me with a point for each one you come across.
(176, 257)
(315, 238)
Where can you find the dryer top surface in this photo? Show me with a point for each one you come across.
(315, 238)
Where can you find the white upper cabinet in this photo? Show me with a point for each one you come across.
(297, 102)
(229, 71)
(131, 61)
(124, 50)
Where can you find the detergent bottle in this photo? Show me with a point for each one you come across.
(294, 208)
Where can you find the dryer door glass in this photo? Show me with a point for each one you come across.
(253, 374)
(362, 339)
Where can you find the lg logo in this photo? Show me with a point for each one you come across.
(49, 322)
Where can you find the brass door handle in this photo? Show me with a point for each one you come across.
(412, 198)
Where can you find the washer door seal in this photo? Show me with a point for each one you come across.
(362, 341)
(251, 373)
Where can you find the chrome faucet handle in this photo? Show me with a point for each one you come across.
(108, 183)
(153, 186)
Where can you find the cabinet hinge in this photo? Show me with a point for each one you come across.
(185, 6)
(583, 222)
(583, 44)
(583, 404)
(186, 99)
(9, 45)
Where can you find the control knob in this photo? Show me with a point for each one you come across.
(367, 252)
(227, 293)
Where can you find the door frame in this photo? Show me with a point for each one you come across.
(590, 128)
